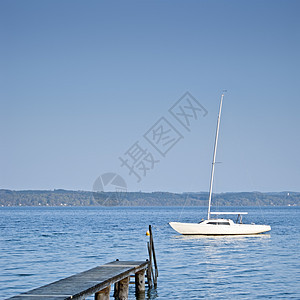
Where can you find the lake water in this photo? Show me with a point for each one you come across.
(41, 245)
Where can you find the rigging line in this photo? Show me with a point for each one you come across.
(182, 209)
(186, 200)
(215, 191)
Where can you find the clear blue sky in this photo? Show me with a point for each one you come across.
(82, 81)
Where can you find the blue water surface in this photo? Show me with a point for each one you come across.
(39, 245)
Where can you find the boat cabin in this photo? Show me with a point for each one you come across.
(217, 222)
(239, 219)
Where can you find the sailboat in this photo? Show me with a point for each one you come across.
(219, 226)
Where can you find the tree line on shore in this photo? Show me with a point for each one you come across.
(86, 198)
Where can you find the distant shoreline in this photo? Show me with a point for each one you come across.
(59, 198)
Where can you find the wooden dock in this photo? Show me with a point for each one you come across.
(96, 281)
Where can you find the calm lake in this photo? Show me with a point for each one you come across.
(40, 245)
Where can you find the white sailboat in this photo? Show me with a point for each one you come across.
(219, 226)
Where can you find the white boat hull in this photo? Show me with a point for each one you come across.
(206, 229)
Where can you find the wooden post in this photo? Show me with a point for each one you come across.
(116, 290)
(152, 253)
(140, 282)
(154, 257)
(149, 269)
(103, 295)
(123, 289)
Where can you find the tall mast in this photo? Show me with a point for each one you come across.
(214, 159)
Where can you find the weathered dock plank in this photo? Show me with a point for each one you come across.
(86, 283)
